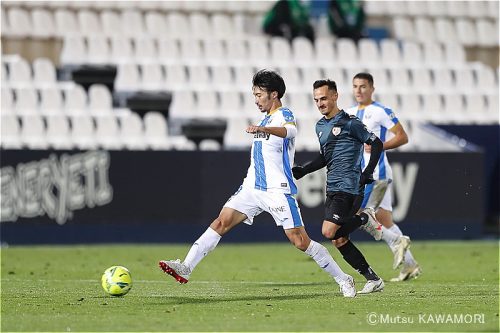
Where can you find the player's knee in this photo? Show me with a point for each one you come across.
(328, 233)
(220, 225)
(340, 242)
(300, 244)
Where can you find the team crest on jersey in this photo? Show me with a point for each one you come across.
(336, 130)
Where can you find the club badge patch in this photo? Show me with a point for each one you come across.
(336, 131)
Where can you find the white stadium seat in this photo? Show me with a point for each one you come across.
(156, 131)
(132, 132)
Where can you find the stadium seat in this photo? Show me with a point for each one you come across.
(176, 77)
(121, 49)
(487, 33)
(19, 20)
(300, 103)
(281, 51)
(98, 50)
(403, 29)
(83, 131)
(74, 51)
(222, 78)
(433, 54)
(456, 8)
(368, 51)
(132, 132)
(66, 22)
(258, 51)
(207, 104)
(243, 78)
(155, 23)
(132, 23)
(431, 106)
(375, 8)
(291, 75)
(108, 132)
(492, 11)
(209, 145)
(454, 54)
(190, 51)
(128, 79)
(309, 75)
(464, 80)
(231, 104)
(10, 132)
(51, 101)
(477, 9)
(445, 31)
(223, 25)
(486, 79)
(390, 54)
(152, 77)
(58, 132)
(306, 133)
(43, 23)
(75, 100)
(400, 79)
(200, 25)
(110, 21)
(183, 105)
(214, 52)
(20, 73)
(236, 52)
(436, 8)
(412, 54)
(395, 8)
(409, 107)
(168, 51)
(466, 32)
(7, 100)
(453, 108)
(89, 22)
(100, 100)
(336, 74)
(380, 78)
(178, 25)
(303, 52)
(145, 50)
(235, 136)
(26, 101)
(475, 107)
(325, 52)
(199, 77)
(156, 131)
(33, 132)
(347, 53)
(443, 80)
(493, 107)
(389, 99)
(44, 72)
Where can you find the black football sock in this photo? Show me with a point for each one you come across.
(350, 225)
(353, 256)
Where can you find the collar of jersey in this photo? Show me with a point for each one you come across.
(273, 111)
(362, 107)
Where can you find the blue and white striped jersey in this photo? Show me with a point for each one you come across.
(378, 119)
(272, 157)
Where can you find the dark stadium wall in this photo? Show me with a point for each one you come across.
(171, 196)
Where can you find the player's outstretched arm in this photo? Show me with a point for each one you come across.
(278, 131)
(314, 165)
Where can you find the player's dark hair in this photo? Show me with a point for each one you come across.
(269, 81)
(364, 76)
(320, 83)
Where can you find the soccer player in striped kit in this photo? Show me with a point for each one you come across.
(382, 121)
(268, 186)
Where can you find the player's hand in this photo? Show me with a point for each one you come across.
(366, 178)
(298, 172)
(368, 148)
(253, 129)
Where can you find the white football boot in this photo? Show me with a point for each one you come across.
(372, 286)
(176, 269)
(402, 246)
(373, 227)
(347, 287)
(408, 272)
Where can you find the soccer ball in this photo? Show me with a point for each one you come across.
(116, 281)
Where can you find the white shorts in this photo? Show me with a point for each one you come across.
(282, 207)
(386, 202)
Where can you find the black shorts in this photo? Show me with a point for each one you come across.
(341, 205)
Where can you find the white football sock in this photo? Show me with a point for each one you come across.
(390, 237)
(323, 258)
(409, 260)
(206, 243)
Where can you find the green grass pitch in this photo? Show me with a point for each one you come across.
(247, 287)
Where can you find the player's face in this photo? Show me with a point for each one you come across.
(263, 99)
(362, 91)
(325, 99)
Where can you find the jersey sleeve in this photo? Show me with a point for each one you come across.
(288, 118)
(387, 118)
(360, 132)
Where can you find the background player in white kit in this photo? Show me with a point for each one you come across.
(382, 121)
(268, 187)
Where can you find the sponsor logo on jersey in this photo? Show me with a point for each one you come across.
(336, 217)
(336, 130)
(284, 184)
(261, 135)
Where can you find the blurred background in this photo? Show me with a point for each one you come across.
(124, 121)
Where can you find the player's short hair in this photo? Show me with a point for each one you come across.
(320, 83)
(364, 76)
(270, 81)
